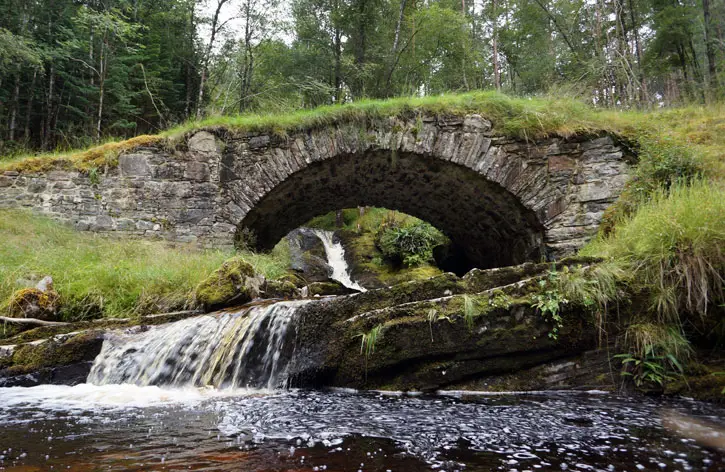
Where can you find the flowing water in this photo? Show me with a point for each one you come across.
(336, 259)
(206, 393)
(250, 348)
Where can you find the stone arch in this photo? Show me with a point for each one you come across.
(503, 200)
(480, 216)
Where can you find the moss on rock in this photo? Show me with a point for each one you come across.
(328, 288)
(55, 352)
(34, 303)
(235, 282)
(280, 289)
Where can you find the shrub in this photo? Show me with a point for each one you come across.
(656, 353)
(410, 244)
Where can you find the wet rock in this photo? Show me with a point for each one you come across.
(64, 359)
(428, 335)
(307, 254)
(234, 283)
(328, 288)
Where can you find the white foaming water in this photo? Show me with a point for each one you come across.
(336, 259)
(247, 349)
(87, 396)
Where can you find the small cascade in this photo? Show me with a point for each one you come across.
(336, 259)
(246, 349)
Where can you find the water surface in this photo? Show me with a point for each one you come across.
(124, 427)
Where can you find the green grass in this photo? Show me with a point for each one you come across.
(518, 117)
(674, 246)
(702, 128)
(98, 276)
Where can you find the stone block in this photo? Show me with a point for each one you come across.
(102, 223)
(134, 165)
(476, 124)
(258, 142)
(203, 142)
(595, 190)
(560, 163)
(197, 171)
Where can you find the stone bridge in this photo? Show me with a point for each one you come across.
(502, 200)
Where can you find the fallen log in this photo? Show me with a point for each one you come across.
(32, 321)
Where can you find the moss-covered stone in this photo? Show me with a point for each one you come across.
(235, 282)
(706, 383)
(369, 268)
(55, 352)
(428, 338)
(34, 303)
(328, 288)
(280, 289)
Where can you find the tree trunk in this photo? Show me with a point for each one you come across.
(47, 135)
(14, 108)
(189, 80)
(103, 61)
(710, 50)
(207, 57)
(29, 107)
(361, 45)
(248, 66)
(496, 69)
(644, 96)
(396, 38)
(337, 47)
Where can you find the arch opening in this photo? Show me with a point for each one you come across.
(488, 225)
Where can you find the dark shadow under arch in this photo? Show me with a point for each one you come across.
(486, 220)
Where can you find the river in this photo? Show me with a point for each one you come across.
(126, 427)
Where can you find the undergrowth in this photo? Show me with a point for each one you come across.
(672, 249)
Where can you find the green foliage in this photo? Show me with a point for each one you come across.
(549, 301)
(93, 177)
(656, 354)
(432, 317)
(369, 339)
(720, 374)
(410, 244)
(663, 162)
(96, 276)
(470, 311)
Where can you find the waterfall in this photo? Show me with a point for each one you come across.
(247, 349)
(336, 259)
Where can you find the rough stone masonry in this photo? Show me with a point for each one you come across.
(503, 200)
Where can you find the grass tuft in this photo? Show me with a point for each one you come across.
(674, 247)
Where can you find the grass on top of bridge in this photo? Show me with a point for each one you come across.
(524, 118)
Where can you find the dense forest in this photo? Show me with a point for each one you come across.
(73, 72)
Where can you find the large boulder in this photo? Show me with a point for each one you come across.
(234, 283)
